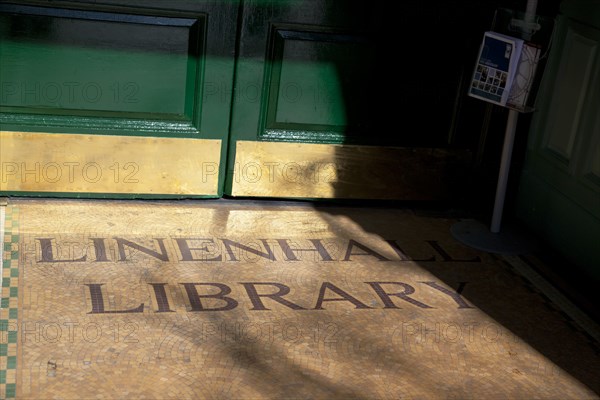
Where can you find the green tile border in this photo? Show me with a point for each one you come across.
(2, 248)
(9, 304)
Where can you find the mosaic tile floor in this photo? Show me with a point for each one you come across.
(233, 300)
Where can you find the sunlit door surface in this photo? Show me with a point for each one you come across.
(111, 99)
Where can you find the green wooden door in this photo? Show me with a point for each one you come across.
(324, 109)
(267, 98)
(559, 192)
(114, 98)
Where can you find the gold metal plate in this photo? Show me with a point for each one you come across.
(76, 163)
(303, 170)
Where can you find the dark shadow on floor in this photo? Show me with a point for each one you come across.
(500, 292)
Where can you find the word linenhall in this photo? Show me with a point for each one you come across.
(189, 249)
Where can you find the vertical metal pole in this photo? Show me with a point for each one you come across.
(530, 10)
(509, 138)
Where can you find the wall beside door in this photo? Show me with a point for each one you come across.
(559, 193)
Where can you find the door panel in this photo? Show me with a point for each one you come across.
(564, 117)
(91, 75)
(559, 192)
(312, 73)
(314, 171)
(319, 72)
(153, 53)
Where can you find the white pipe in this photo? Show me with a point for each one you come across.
(528, 23)
(530, 11)
(509, 138)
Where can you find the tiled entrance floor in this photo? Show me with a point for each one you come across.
(227, 300)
